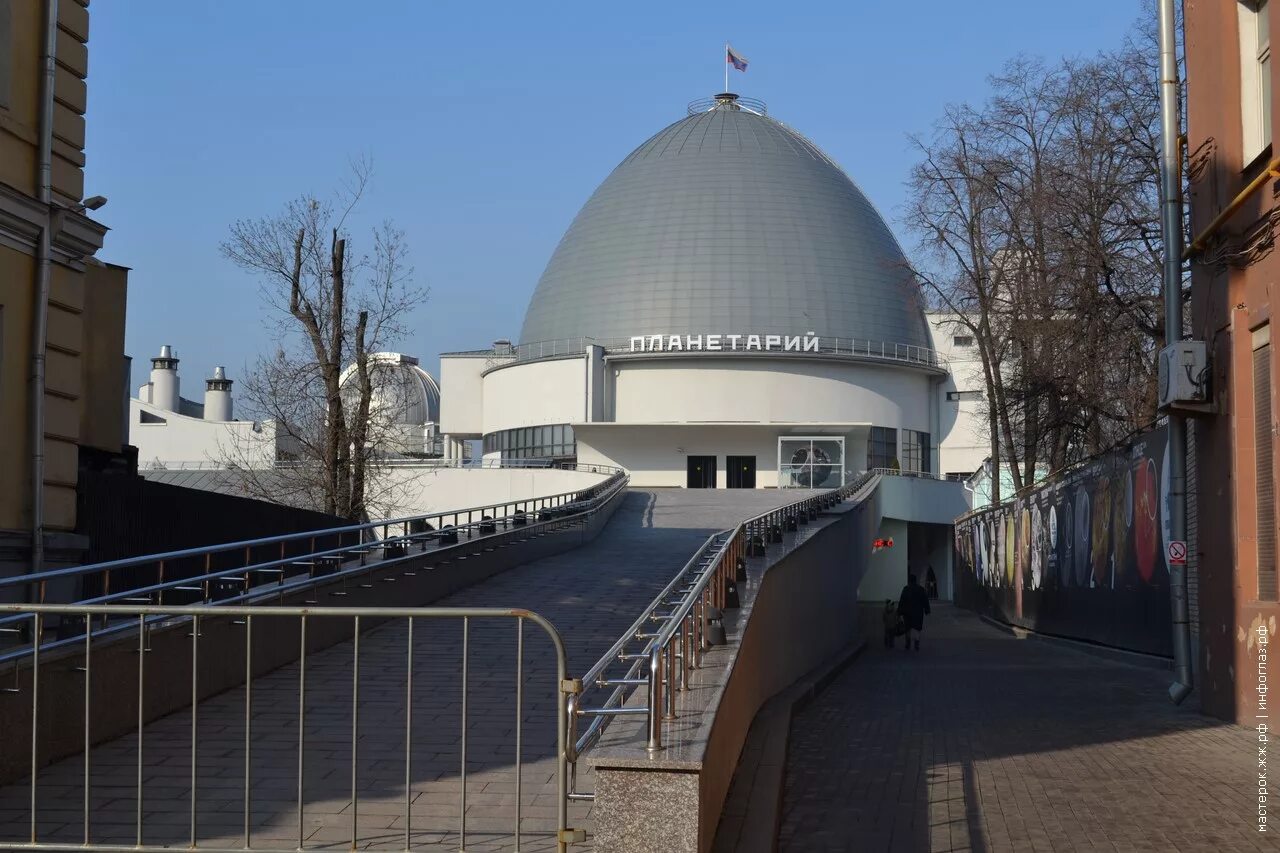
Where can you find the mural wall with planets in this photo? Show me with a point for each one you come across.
(1082, 555)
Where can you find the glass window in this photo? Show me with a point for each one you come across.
(958, 396)
(882, 448)
(915, 451)
(963, 340)
(1254, 19)
(1264, 68)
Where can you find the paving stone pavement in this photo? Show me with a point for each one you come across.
(590, 594)
(983, 742)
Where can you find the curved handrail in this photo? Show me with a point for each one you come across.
(565, 514)
(405, 522)
(705, 574)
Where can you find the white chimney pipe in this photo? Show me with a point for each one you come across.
(164, 380)
(217, 396)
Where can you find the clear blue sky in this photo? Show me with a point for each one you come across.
(488, 125)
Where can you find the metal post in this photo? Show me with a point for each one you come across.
(355, 735)
(462, 775)
(37, 630)
(1171, 225)
(88, 687)
(142, 649)
(248, 727)
(195, 705)
(408, 740)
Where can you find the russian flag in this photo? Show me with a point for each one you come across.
(736, 59)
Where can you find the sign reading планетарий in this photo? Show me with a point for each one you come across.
(808, 342)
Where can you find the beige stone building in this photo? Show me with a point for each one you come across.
(62, 402)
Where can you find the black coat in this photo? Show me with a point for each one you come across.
(913, 605)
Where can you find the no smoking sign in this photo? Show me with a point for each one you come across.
(1177, 553)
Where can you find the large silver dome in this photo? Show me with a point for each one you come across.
(727, 221)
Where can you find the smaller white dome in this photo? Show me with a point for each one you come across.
(403, 393)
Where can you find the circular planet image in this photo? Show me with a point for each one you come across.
(1100, 554)
(1024, 547)
(1121, 517)
(1065, 566)
(1010, 549)
(1144, 519)
(1081, 561)
(1037, 547)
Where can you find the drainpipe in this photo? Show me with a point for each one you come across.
(39, 337)
(1171, 224)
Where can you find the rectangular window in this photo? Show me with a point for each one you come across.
(964, 396)
(915, 451)
(1263, 443)
(882, 448)
(1254, 19)
(962, 340)
(6, 53)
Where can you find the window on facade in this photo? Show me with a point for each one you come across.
(882, 448)
(553, 441)
(1263, 441)
(915, 450)
(1255, 75)
(962, 340)
(6, 53)
(958, 396)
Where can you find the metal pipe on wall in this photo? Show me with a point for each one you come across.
(40, 325)
(1171, 225)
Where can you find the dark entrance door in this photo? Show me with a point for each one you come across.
(740, 471)
(702, 472)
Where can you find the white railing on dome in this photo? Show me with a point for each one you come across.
(850, 347)
(750, 105)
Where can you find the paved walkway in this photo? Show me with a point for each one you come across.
(591, 594)
(983, 742)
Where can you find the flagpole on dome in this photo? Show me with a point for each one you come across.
(726, 67)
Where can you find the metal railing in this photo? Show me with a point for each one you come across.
(395, 462)
(668, 639)
(201, 619)
(751, 105)
(252, 569)
(849, 347)
(898, 472)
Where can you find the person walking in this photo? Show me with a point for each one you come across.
(913, 604)
(931, 583)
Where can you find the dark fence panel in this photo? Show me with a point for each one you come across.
(1081, 556)
(126, 515)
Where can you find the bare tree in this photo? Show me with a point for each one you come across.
(330, 308)
(1038, 213)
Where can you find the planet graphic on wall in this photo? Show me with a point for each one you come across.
(989, 552)
(1010, 549)
(1037, 547)
(1081, 561)
(1121, 518)
(1100, 553)
(1023, 568)
(1144, 518)
(1051, 544)
(1068, 542)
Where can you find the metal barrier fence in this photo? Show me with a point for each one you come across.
(669, 638)
(241, 572)
(198, 619)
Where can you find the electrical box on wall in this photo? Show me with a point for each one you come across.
(1184, 376)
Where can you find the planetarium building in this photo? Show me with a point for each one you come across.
(727, 310)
